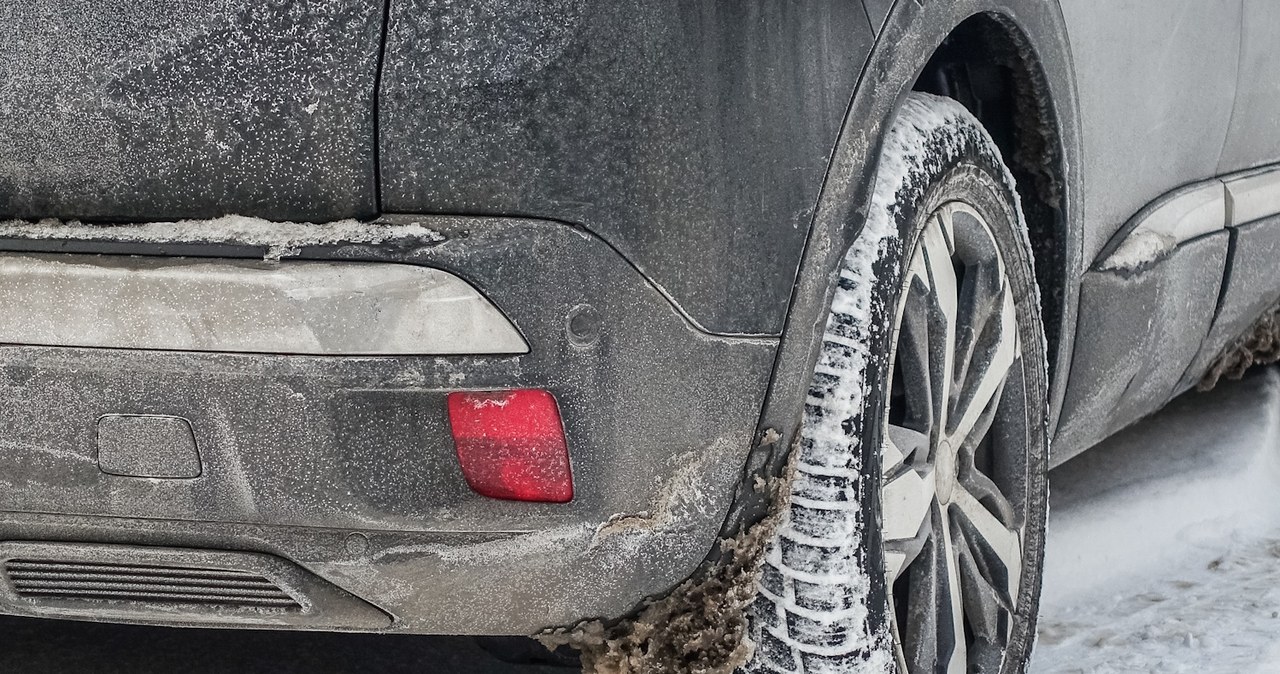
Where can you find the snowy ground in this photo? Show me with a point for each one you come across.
(1164, 545)
(1164, 557)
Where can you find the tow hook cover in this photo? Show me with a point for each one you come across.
(134, 445)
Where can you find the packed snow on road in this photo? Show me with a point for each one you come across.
(1164, 543)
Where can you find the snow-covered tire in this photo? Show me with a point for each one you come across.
(825, 602)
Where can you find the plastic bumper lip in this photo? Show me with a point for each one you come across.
(345, 465)
(243, 306)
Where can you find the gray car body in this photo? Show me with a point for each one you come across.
(692, 172)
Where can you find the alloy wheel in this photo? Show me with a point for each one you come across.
(953, 463)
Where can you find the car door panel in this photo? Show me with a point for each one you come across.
(1157, 82)
(1249, 290)
(1254, 136)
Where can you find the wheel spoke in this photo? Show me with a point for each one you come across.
(985, 657)
(946, 224)
(984, 489)
(901, 445)
(920, 628)
(908, 493)
(906, 504)
(981, 293)
(927, 592)
(952, 628)
(983, 602)
(913, 353)
(969, 445)
(894, 563)
(994, 538)
(908, 499)
(942, 333)
(900, 555)
(986, 376)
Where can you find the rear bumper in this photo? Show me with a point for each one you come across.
(343, 465)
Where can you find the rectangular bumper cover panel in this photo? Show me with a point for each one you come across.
(244, 306)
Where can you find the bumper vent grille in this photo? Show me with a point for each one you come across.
(44, 580)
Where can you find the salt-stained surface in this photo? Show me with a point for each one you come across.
(281, 239)
(137, 108)
(1164, 543)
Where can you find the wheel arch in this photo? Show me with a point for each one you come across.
(1027, 38)
(988, 64)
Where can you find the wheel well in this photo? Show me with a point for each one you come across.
(987, 65)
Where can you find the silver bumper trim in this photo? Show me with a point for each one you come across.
(246, 306)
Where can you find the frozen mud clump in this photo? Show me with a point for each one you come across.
(1259, 346)
(699, 628)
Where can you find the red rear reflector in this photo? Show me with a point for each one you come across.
(511, 445)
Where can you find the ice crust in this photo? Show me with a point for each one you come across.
(281, 239)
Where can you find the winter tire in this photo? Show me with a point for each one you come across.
(914, 535)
